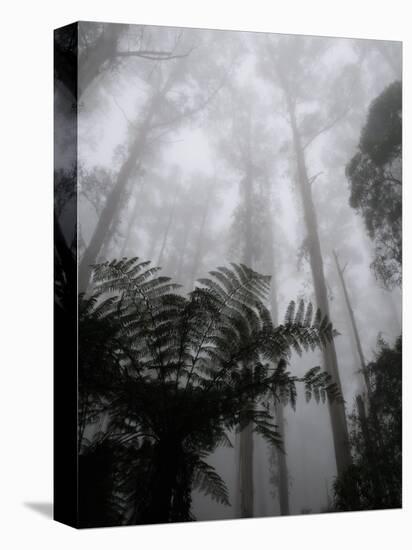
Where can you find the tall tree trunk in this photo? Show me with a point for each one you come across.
(154, 240)
(114, 198)
(359, 400)
(279, 409)
(183, 249)
(115, 226)
(167, 229)
(336, 409)
(354, 325)
(200, 238)
(246, 488)
(282, 464)
(113, 201)
(132, 220)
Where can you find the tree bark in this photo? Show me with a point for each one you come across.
(246, 446)
(200, 237)
(132, 220)
(113, 202)
(278, 408)
(167, 229)
(354, 326)
(336, 409)
(282, 464)
(114, 198)
(158, 507)
(246, 488)
(183, 249)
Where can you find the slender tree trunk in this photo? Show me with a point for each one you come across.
(110, 236)
(336, 409)
(200, 238)
(115, 226)
(114, 198)
(155, 237)
(359, 400)
(132, 221)
(364, 424)
(354, 326)
(246, 471)
(282, 464)
(279, 409)
(167, 229)
(183, 248)
(113, 201)
(246, 446)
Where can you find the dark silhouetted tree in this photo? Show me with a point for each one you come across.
(167, 371)
(374, 480)
(291, 66)
(375, 176)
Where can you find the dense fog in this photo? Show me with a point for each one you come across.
(198, 149)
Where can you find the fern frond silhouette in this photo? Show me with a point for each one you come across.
(163, 383)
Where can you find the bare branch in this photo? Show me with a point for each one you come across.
(327, 127)
(190, 112)
(153, 54)
(313, 178)
(127, 119)
(391, 178)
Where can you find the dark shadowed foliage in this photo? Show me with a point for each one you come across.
(374, 481)
(164, 372)
(375, 175)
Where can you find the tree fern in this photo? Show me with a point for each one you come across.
(167, 371)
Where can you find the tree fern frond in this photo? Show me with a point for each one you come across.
(308, 316)
(208, 481)
(290, 313)
(188, 368)
(300, 313)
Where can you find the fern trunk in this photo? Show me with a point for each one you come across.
(170, 486)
